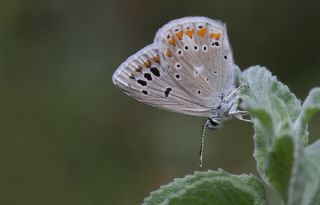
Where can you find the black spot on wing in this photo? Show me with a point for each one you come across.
(167, 92)
(132, 76)
(148, 76)
(142, 82)
(155, 71)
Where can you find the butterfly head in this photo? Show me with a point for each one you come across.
(214, 123)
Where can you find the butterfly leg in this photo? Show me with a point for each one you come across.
(235, 91)
(238, 113)
(240, 117)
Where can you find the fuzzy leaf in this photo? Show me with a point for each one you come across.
(212, 187)
(310, 107)
(316, 198)
(273, 108)
(280, 164)
(306, 170)
(281, 134)
(305, 182)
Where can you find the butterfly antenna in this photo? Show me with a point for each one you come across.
(205, 125)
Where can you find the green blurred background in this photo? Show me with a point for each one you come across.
(69, 136)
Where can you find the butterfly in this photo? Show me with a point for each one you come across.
(188, 69)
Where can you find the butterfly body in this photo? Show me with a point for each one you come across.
(188, 69)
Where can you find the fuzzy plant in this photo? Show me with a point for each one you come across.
(285, 161)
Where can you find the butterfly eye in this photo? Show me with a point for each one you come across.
(214, 124)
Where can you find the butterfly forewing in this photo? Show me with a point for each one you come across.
(196, 52)
(142, 77)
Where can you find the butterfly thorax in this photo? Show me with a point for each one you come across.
(222, 112)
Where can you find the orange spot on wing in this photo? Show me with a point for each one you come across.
(202, 32)
(168, 53)
(171, 41)
(147, 64)
(139, 69)
(218, 36)
(156, 59)
(179, 35)
(189, 33)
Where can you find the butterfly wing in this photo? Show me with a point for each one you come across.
(142, 77)
(197, 53)
(187, 69)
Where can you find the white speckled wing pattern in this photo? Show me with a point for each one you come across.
(187, 69)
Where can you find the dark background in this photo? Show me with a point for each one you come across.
(69, 136)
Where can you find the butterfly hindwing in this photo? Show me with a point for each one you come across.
(142, 77)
